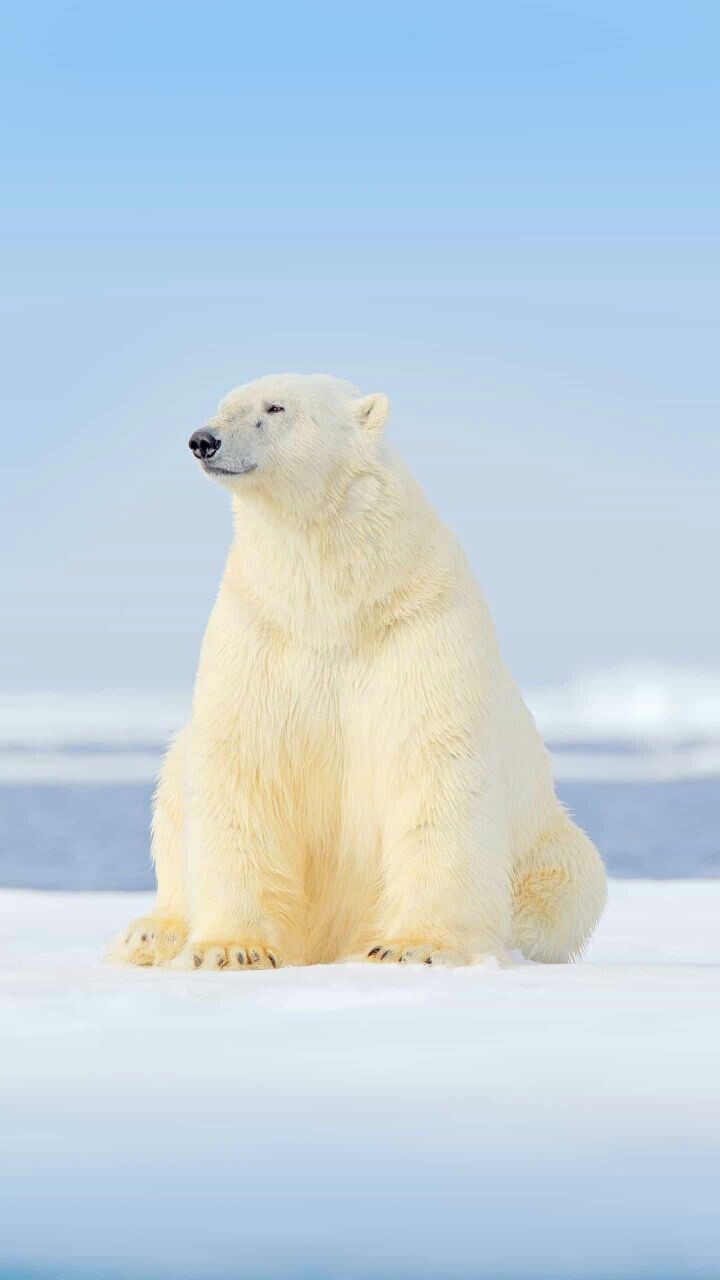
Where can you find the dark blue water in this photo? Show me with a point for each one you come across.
(96, 836)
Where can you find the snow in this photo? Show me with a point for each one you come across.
(362, 1121)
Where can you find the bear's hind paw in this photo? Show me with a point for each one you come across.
(150, 940)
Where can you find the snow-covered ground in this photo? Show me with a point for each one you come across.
(538, 1122)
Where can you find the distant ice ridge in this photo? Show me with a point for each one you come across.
(638, 721)
(636, 701)
(98, 717)
(99, 736)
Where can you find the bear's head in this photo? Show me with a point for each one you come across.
(290, 434)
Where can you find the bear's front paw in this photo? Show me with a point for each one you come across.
(227, 955)
(150, 940)
(415, 953)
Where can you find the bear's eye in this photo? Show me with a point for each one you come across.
(275, 408)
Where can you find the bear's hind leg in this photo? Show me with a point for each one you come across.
(158, 937)
(559, 893)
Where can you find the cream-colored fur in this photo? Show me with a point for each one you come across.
(360, 776)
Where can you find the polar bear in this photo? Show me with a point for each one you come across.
(360, 777)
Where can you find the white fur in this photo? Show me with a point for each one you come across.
(360, 775)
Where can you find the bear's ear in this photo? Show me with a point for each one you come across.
(372, 412)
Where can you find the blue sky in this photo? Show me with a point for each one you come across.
(505, 216)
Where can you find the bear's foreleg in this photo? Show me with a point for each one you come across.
(242, 877)
(445, 869)
(446, 893)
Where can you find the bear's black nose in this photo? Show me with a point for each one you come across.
(204, 444)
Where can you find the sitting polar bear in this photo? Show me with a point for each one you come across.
(360, 777)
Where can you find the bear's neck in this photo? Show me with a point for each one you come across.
(361, 558)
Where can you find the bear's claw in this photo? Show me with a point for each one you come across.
(151, 940)
(227, 955)
(415, 953)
